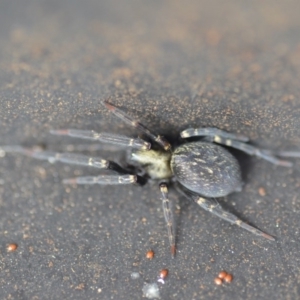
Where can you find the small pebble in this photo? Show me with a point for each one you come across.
(151, 290)
(135, 275)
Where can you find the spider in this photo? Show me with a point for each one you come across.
(203, 170)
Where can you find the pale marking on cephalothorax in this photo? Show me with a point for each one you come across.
(156, 163)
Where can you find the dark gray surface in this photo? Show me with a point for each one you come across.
(230, 64)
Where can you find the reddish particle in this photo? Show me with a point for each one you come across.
(163, 273)
(150, 254)
(218, 281)
(222, 275)
(228, 278)
(12, 247)
(262, 191)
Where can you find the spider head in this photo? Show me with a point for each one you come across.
(155, 163)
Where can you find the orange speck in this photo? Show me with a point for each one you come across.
(222, 275)
(218, 281)
(12, 247)
(163, 273)
(228, 278)
(262, 191)
(150, 254)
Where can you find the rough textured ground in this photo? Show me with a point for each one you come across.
(230, 64)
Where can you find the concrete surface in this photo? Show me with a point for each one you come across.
(230, 64)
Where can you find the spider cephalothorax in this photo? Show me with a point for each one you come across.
(204, 170)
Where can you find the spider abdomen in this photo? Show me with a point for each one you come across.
(207, 169)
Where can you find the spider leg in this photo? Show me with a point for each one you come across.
(252, 150)
(215, 208)
(237, 141)
(124, 117)
(78, 159)
(69, 158)
(288, 153)
(116, 139)
(168, 216)
(211, 131)
(103, 179)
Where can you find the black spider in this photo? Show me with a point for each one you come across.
(203, 169)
